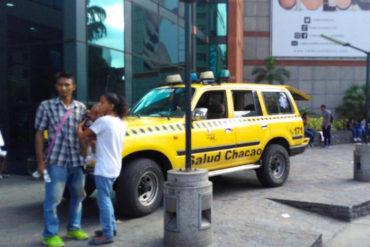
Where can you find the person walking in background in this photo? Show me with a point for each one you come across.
(109, 131)
(61, 116)
(326, 125)
(307, 132)
(360, 128)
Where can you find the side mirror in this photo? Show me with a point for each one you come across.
(199, 114)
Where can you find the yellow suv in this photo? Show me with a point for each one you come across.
(235, 126)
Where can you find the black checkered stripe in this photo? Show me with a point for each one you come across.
(205, 124)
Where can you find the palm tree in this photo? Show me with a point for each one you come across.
(354, 102)
(95, 17)
(270, 73)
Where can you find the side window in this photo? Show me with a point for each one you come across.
(246, 104)
(277, 103)
(215, 102)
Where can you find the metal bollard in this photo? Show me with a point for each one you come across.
(188, 209)
(361, 163)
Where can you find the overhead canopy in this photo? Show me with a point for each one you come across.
(297, 95)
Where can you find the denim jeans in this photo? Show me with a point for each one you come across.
(61, 176)
(327, 135)
(310, 134)
(106, 210)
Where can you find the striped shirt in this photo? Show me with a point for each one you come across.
(66, 150)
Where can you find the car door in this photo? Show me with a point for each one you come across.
(214, 136)
(251, 128)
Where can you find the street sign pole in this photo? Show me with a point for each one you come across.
(367, 88)
(188, 39)
(367, 94)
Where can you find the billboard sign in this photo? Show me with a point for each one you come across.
(297, 25)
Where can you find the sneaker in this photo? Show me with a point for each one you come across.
(78, 235)
(53, 241)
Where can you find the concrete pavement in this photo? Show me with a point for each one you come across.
(244, 213)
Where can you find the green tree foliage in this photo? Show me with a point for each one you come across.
(270, 73)
(353, 103)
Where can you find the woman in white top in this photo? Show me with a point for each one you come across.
(109, 131)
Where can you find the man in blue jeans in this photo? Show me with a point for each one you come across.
(64, 160)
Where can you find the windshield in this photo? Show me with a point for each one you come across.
(162, 102)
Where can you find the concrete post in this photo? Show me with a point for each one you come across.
(361, 162)
(188, 209)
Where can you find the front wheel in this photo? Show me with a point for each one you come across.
(140, 187)
(275, 166)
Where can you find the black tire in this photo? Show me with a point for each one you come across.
(275, 166)
(139, 188)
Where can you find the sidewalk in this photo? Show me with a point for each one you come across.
(244, 213)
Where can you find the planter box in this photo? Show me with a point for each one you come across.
(337, 137)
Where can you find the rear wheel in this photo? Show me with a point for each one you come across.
(275, 166)
(139, 188)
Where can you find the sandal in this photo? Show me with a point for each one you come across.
(99, 233)
(101, 241)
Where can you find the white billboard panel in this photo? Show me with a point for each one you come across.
(297, 25)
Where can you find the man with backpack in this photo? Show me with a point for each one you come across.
(327, 119)
(62, 163)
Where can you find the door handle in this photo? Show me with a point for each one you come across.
(228, 130)
(264, 126)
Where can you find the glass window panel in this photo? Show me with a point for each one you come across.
(202, 15)
(181, 44)
(170, 4)
(277, 103)
(218, 19)
(145, 34)
(201, 55)
(218, 58)
(168, 47)
(221, 19)
(245, 104)
(22, 31)
(106, 72)
(144, 77)
(215, 102)
(105, 23)
(51, 3)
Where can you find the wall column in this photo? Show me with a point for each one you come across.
(235, 39)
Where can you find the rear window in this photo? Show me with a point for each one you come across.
(277, 103)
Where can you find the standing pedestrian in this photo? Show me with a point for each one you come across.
(109, 131)
(326, 126)
(63, 162)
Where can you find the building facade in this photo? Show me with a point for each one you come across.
(125, 46)
(325, 78)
